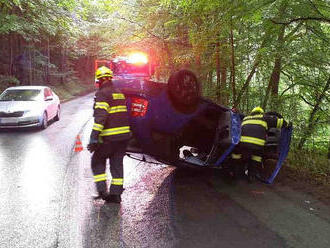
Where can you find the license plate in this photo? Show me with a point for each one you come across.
(9, 120)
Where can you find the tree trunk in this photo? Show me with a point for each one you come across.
(311, 121)
(275, 76)
(30, 65)
(11, 65)
(223, 73)
(329, 149)
(169, 55)
(232, 74)
(48, 62)
(198, 64)
(217, 69)
(247, 81)
(62, 64)
(253, 70)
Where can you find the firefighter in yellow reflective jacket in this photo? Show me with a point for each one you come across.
(109, 136)
(253, 138)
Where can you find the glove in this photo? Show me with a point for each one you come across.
(93, 145)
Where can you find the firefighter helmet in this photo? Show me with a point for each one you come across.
(102, 72)
(257, 110)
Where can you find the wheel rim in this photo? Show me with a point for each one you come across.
(188, 90)
(184, 90)
(190, 87)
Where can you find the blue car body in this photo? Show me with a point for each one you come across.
(214, 130)
(164, 122)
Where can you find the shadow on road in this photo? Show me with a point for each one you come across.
(208, 217)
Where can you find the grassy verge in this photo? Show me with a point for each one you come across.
(312, 166)
(306, 172)
(70, 90)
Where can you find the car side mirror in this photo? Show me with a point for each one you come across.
(49, 98)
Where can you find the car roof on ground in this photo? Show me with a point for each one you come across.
(30, 87)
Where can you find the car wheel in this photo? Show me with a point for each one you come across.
(184, 90)
(44, 123)
(57, 117)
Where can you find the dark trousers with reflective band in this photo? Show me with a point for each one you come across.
(115, 151)
(247, 156)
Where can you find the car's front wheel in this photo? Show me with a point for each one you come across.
(184, 90)
(44, 121)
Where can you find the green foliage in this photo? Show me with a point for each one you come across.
(315, 165)
(7, 81)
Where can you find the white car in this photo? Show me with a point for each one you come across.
(28, 106)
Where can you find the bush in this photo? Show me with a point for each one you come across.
(312, 163)
(7, 81)
(70, 89)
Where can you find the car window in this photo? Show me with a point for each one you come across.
(20, 95)
(50, 92)
(45, 93)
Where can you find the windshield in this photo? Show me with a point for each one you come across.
(20, 95)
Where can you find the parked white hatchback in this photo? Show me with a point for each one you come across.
(28, 106)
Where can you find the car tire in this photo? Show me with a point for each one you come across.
(184, 91)
(44, 121)
(57, 116)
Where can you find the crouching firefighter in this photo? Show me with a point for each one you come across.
(109, 136)
(250, 150)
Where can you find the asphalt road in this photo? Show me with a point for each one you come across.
(46, 200)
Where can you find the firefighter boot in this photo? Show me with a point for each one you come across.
(101, 195)
(251, 177)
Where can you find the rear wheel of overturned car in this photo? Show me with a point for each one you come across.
(44, 121)
(184, 91)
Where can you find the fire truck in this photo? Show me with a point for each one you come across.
(133, 64)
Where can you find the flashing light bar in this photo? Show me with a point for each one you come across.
(137, 58)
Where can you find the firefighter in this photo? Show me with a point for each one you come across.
(253, 138)
(109, 137)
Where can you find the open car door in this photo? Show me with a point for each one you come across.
(284, 147)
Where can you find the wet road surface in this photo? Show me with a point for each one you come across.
(212, 213)
(46, 200)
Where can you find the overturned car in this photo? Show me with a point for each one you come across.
(167, 119)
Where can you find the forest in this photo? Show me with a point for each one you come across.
(271, 53)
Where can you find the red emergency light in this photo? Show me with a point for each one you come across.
(137, 58)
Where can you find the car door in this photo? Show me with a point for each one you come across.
(284, 147)
(49, 100)
(53, 103)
